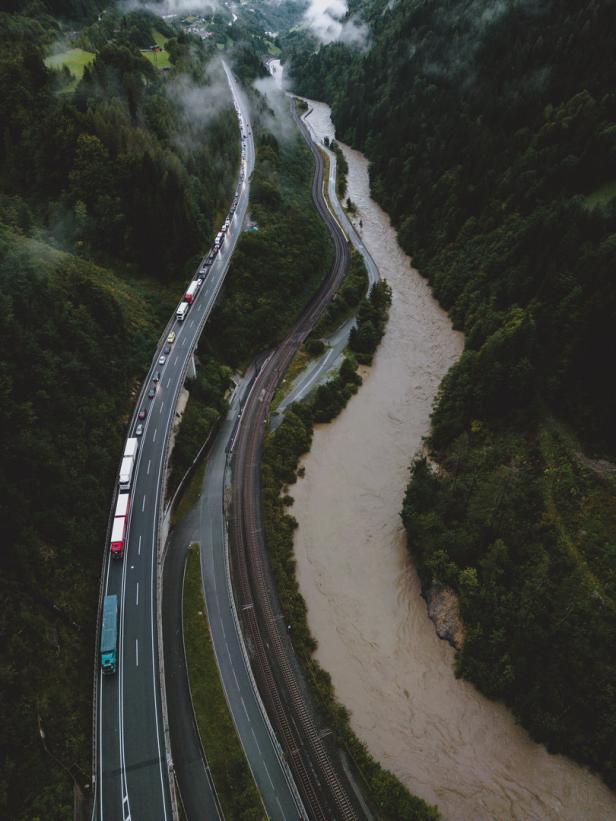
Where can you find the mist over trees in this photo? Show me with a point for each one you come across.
(107, 195)
(491, 131)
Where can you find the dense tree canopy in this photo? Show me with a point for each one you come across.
(128, 175)
(488, 126)
(122, 166)
(491, 129)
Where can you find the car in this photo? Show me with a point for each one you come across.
(156, 377)
(139, 430)
(143, 413)
(167, 350)
(162, 360)
(151, 393)
(171, 337)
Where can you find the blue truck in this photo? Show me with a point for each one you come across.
(109, 635)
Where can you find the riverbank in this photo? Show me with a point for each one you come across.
(444, 740)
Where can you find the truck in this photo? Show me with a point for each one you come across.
(122, 505)
(109, 636)
(191, 293)
(126, 472)
(130, 449)
(182, 311)
(118, 531)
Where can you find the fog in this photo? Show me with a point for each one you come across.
(328, 21)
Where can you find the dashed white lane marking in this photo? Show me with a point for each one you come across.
(154, 437)
(137, 599)
(143, 504)
(168, 381)
(149, 465)
(139, 549)
(245, 710)
(256, 742)
(268, 774)
(137, 652)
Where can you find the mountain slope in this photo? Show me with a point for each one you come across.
(491, 129)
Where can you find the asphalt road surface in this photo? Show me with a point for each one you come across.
(132, 765)
(313, 760)
(320, 370)
(278, 792)
(206, 525)
(195, 783)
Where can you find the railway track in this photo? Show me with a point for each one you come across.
(324, 790)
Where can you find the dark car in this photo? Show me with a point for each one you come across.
(167, 350)
(143, 413)
(156, 377)
(151, 393)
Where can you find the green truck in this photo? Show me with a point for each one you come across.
(109, 635)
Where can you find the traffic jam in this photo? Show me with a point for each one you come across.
(119, 527)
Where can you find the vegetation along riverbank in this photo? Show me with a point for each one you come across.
(497, 172)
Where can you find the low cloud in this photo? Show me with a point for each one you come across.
(328, 21)
(200, 103)
(276, 117)
(174, 7)
(355, 32)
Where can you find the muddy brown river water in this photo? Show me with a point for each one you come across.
(441, 737)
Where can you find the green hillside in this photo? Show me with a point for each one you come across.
(491, 131)
(110, 189)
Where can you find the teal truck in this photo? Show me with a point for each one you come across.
(109, 635)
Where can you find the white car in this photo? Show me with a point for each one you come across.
(139, 430)
(162, 360)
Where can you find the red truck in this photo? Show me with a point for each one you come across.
(118, 530)
(191, 293)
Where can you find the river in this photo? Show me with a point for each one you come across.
(440, 736)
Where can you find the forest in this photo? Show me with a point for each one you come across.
(491, 132)
(108, 194)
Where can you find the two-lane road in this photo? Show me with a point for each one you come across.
(132, 763)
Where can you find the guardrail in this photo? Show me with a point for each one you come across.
(208, 771)
(373, 271)
(107, 559)
(275, 743)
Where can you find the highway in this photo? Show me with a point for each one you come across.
(319, 370)
(324, 793)
(322, 784)
(265, 758)
(195, 784)
(132, 759)
(206, 525)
